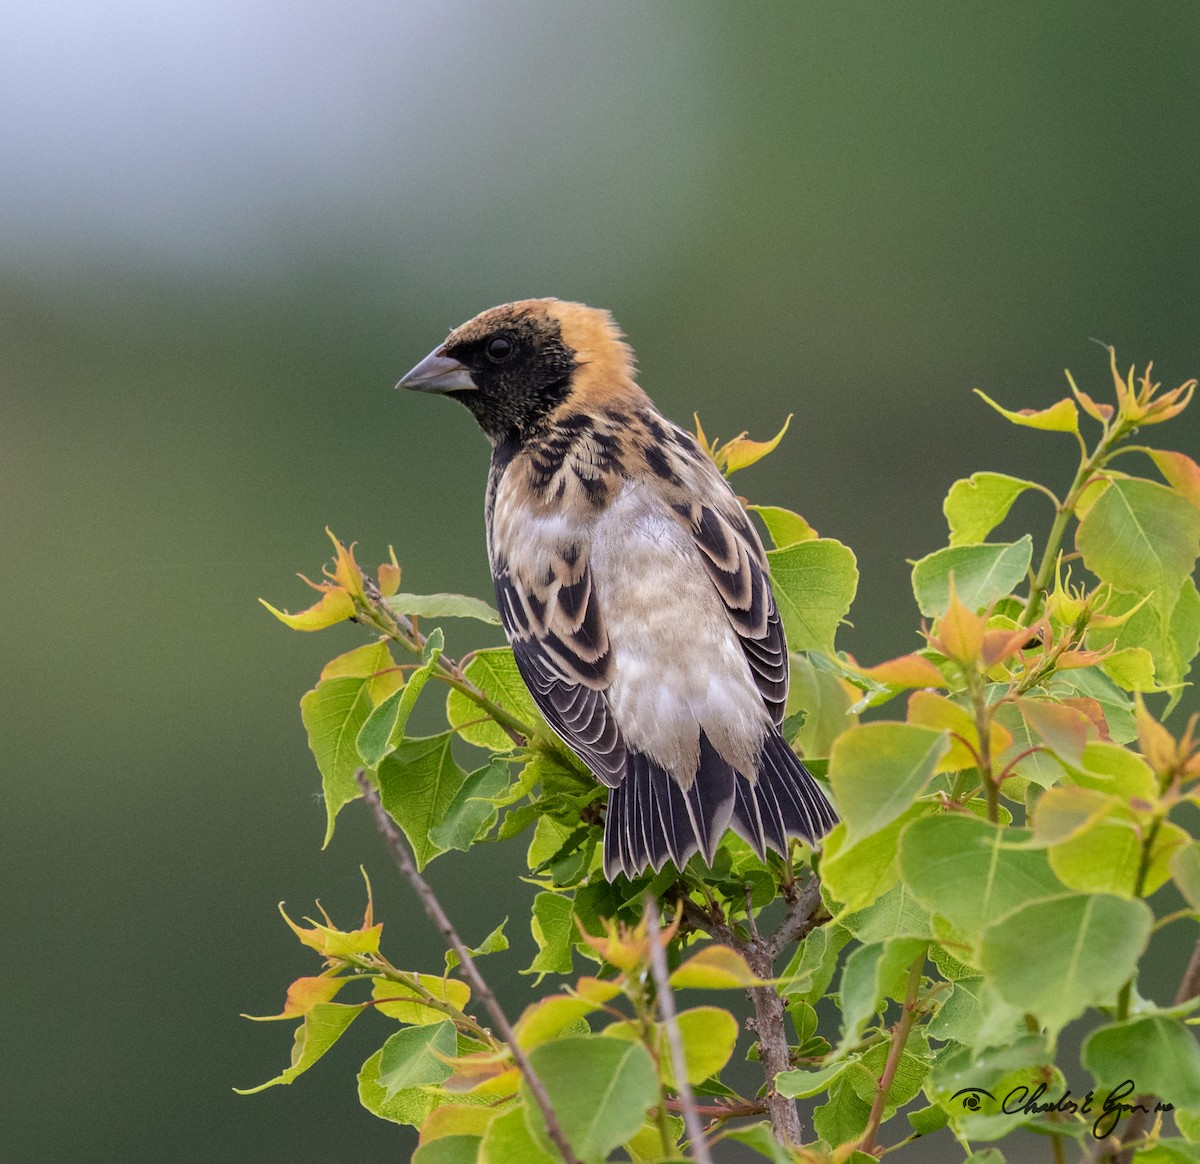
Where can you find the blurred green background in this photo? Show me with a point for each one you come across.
(226, 229)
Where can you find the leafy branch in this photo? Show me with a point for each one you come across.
(1003, 835)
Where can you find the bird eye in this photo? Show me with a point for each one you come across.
(500, 348)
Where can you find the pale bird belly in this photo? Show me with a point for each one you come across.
(679, 666)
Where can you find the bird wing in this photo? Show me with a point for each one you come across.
(553, 621)
(737, 565)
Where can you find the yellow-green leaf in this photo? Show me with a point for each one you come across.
(1061, 416)
(323, 1025)
(334, 606)
(715, 967)
(815, 583)
(406, 1005)
(785, 527)
(977, 504)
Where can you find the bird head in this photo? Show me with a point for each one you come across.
(513, 366)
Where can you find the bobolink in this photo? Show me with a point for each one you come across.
(632, 587)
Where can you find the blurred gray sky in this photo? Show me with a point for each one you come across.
(208, 135)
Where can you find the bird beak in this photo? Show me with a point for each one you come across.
(438, 373)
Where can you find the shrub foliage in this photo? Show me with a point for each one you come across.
(1016, 826)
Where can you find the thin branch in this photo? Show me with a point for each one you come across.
(1189, 987)
(798, 920)
(900, 1033)
(437, 915)
(700, 919)
(722, 1111)
(666, 1005)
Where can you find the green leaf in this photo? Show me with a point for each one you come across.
(873, 973)
(384, 727)
(508, 1139)
(1168, 626)
(1140, 536)
(897, 914)
(1185, 869)
(443, 606)
(911, 1070)
(1131, 669)
(1068, 975)
(815, 583)
(333, 712)
(977, 504)
(785, 527)
(494, 943)
(812, 966)
(554, 931)
(825, 705)
(970, 871)
(410, 1057)
(417, 784)
(857, 875)
(805, 1084)
(645, 1146)
(323, 1025)
(494, 672)
(708, 1035)
(982, 574)
(928, 1120)
(1118, 771)
(405, 1107)
(759, 1138)
(843, 1118)
(449, 1150)
(599, 1089)
(1106, 855)
(471, 813)
(1169, 1152)
(1160, 1053)
(876, 770)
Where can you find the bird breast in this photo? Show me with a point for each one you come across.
(679, 667)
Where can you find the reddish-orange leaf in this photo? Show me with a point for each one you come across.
(1090, 708)
(906, 671)
(960, 630)
(1181, 473)
(1064, 730)
(303, 995)
(999, 645)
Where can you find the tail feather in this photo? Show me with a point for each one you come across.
(651, 819)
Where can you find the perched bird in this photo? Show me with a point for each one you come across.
(632, 587)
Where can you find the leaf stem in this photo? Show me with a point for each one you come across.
(1066, 510)
(900, 1033)
(437, 915)
(425, 996)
